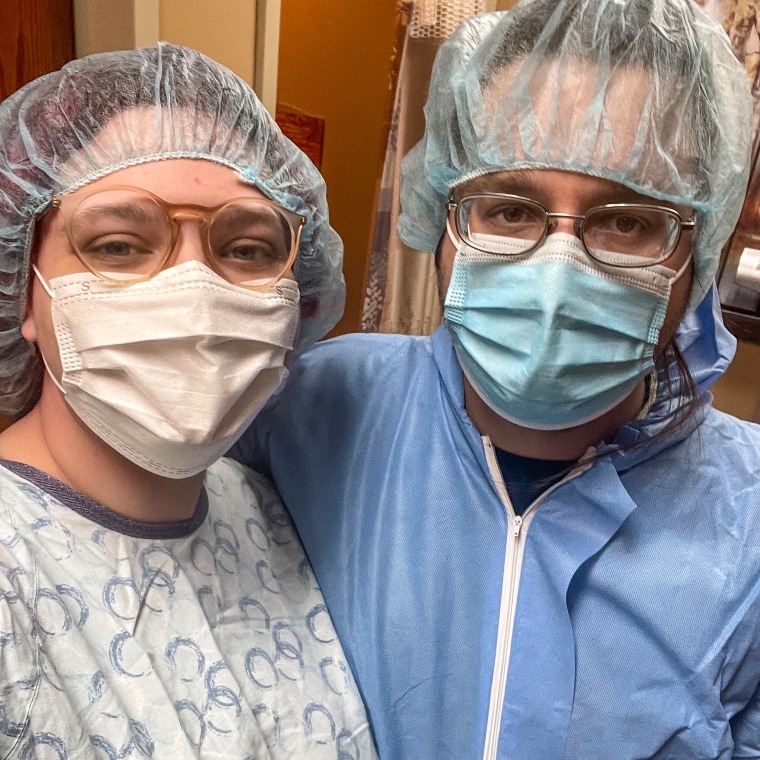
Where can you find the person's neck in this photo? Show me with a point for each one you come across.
(53, 439)
(567, 444)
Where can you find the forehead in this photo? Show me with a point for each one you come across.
(562, 104)
(180, 181)
(607, 122)
(142, 132)
(547, 182)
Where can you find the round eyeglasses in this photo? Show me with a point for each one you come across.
(126, 235)
(617, 234)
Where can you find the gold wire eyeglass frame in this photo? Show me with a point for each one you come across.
(579, 219)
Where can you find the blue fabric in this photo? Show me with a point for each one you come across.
(550, 341)
(637, 630)
(526, 478)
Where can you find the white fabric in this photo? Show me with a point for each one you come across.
(169, 371)
(215, 645)
(439, 18)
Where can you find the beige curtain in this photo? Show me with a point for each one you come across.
(401, 294)
(741, 20)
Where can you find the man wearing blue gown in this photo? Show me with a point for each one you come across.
(536, 537)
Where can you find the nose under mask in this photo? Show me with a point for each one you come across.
(551, 340)
(170, 371)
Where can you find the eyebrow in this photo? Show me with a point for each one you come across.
(491, 183)
(128, 212)
(519, 182)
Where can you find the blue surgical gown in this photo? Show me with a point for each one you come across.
(617, 619)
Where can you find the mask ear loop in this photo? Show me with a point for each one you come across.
(44, 360)
(677, 276)
(452, 237)
(651, 387)
(42, 282)
(651, 391)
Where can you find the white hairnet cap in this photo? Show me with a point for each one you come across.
(189, 107)
(647, 93)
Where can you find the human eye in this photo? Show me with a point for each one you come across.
(504, 216)
(117, 248)
(249, 257)
(635, 231)
(514, 214)
(623, 222)
(508, 214)
(628, 224)
(109, 233)
(249, 250)
(250, 238)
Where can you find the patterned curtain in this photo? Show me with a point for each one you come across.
(741, 20)
(402, 295)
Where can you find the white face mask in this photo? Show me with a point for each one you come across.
(170, 371)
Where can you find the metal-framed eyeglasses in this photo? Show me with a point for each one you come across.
(616, 234)
(125, 235)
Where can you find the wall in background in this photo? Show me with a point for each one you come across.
(103, 25)
(223, 31)
(738, 391)
(241, 34)
(334, 63)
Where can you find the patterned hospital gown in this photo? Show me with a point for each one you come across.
(207, 638)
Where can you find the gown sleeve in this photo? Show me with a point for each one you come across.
(745, 727)
(252, 448)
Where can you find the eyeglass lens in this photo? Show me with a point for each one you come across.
(614, 235)
(122, 233)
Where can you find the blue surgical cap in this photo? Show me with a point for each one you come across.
(646, 93)
(189, 107)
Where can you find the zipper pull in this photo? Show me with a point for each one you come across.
(518, 525)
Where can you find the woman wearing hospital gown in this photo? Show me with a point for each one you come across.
(164, 250)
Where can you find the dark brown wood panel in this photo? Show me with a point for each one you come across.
(36, 36)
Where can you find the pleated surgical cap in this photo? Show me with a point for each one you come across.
(158, 103)
(647, 93)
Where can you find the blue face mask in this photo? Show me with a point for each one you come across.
(552, 340)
